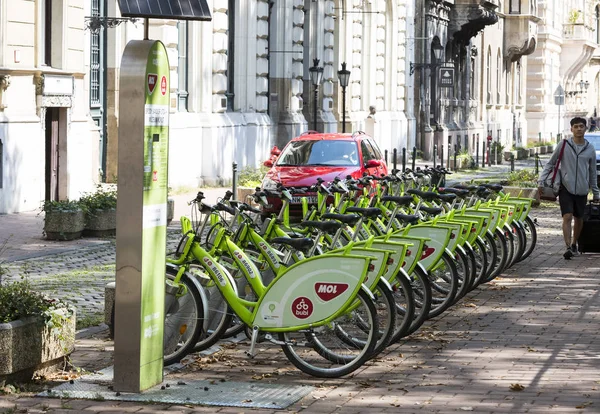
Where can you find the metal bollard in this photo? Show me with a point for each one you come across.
(414, 158)
(442, 156)
(537, 161)
(385, 154)
(234, 181)
(476, 154)
(403, 159)
(483, 153)
(434, 155)
(455, 154)
(395, 160)
(512, 162)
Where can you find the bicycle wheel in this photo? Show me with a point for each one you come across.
(491, 256)
(481, 262)
(321, 352)
(461, 261)
(386, 316)
(510, 247)
(530, 237)
(444, 284)
(218, 319)
(405, 306)
(421, 286)
(501, 257)
(183, 319)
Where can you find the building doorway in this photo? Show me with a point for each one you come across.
(52, 154)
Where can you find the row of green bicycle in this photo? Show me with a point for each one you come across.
(366, 267)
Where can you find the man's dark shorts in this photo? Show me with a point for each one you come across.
(571, 203)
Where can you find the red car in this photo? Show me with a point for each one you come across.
(315, 155)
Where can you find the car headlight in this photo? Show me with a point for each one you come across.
(269, 184)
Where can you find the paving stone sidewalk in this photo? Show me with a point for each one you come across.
(527, 342)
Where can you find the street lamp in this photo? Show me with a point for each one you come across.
(437, 54)
(344, 77)
(316, 74)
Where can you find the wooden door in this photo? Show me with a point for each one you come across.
(52, 161)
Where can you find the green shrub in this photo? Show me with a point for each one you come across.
(101, 199)
(18, 300)
(523, 178)
(251, 177)
(61, 206)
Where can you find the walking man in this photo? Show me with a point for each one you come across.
(577, 172)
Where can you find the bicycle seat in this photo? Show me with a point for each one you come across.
(223, 207)
(399, 200)
(493, 187)
(302, 243)
(434, 211)
(425, 195)
(471, 188)
(329, 226)
(246, 207)
(448, 198)
(408, 218)
(365, 212)
(459, 193)
(349, 219)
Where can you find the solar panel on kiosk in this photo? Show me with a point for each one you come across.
(166, 9)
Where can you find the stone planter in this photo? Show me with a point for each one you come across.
(508, 154)
(101, 223)
(30, 347)
(543, 149)
(522, 153)
(64, 225)
(244, 193)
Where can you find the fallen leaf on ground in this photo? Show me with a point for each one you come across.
(516, 387)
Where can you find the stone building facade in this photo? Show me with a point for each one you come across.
(427, 74)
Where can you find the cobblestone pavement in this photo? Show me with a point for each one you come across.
(527, 342)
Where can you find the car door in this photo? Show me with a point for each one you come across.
(382, 169)
(370, 162)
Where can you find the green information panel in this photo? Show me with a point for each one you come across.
(141, 215)
(156, 147)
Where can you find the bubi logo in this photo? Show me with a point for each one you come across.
(302, 307)
(163, 85)
(152, 80)
(328, 291)
(427, 251)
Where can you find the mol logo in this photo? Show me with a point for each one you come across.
(328, 291)
(302, 307)
(152, 80)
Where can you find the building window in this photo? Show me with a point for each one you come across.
(95, 60)
(515, 7)
(498, 78)
(182, 67)
(489, 77)
(1, 164)
(472, 79)
(518, 84)
(46, 31)
(597, 25)
(230, 54)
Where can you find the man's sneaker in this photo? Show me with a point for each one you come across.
(574, 250)
(568, 254)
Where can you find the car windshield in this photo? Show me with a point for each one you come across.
(594, 140)
(319, 152)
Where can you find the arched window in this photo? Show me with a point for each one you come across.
(498, 77)
(488, 71)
